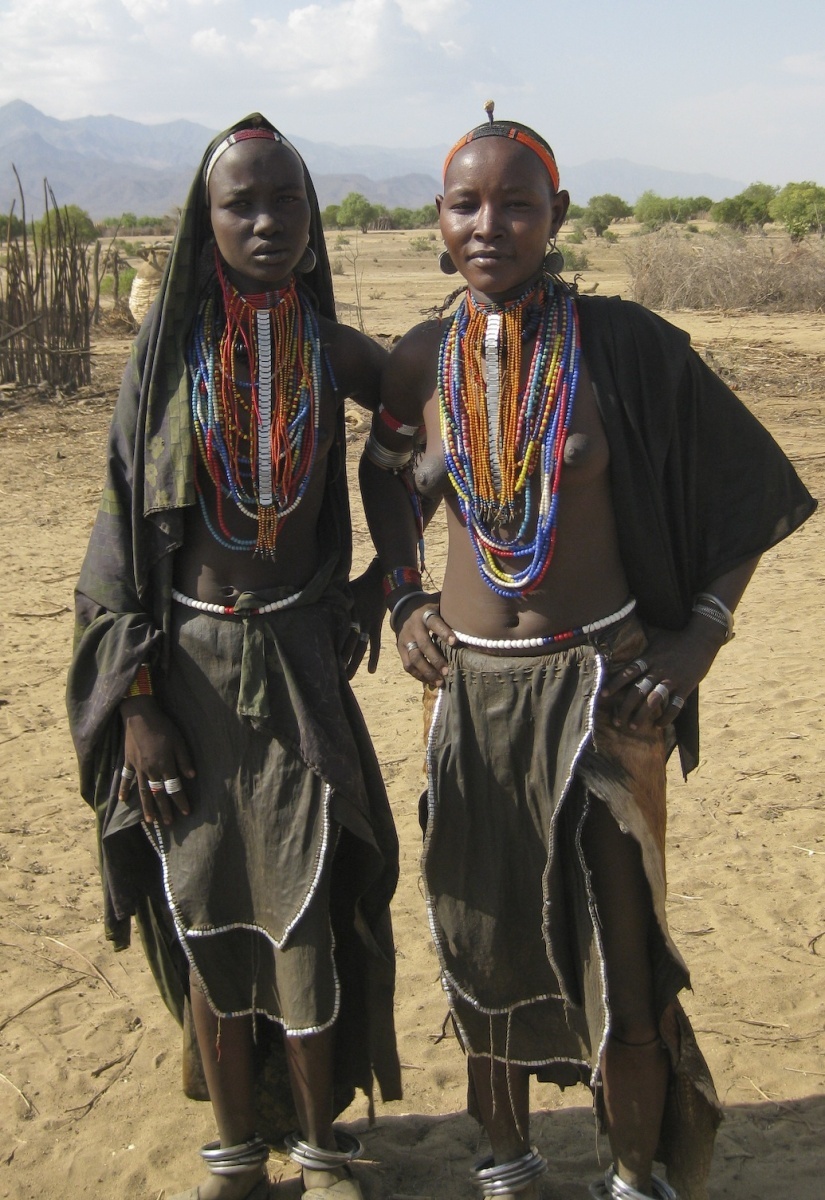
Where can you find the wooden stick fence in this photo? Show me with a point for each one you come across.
(45, 312)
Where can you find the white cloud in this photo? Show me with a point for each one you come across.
(320, 47)
(429, 16)
(143, 10)
(209, 42)
(811, 66)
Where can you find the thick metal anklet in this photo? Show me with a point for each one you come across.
(504, 1179)
(235, 1160)
(614, 1188)
(315, 1158)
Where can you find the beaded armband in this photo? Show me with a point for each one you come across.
(141, 685)
(399, 577)
(397, 426)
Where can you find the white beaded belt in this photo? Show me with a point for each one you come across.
(223, 610)
(553, 639)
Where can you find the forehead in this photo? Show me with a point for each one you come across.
(257, 162)
(495, 160)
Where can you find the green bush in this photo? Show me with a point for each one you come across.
(800, 207)
(574, 260)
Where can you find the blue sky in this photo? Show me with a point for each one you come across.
(733, 87)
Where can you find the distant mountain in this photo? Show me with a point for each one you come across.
(628, 180)
(109, 165)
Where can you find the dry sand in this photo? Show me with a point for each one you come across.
(90, 1099)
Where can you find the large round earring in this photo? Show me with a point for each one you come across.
(307, 262)
(446, 264)
(554, 260)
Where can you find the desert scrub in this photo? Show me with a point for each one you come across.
(422, 244)
(574, 260)
(729, 271)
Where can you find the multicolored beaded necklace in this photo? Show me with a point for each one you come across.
(257, 426)
(496, 435)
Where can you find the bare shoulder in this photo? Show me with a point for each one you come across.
(356, 362)
(410, 376)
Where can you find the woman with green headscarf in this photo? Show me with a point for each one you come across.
(241, 814)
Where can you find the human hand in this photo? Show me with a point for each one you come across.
(368, 619)
(419, 653)
(650, 692)
(154, 750)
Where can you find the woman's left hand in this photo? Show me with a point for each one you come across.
(367, 620)
(650, 692)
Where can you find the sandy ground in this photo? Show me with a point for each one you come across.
(90, 1099)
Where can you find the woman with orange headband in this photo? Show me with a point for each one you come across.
(607, 500)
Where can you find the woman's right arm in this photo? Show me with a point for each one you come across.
(385, 475)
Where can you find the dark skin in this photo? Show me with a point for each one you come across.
(497, 214)
(260, 217)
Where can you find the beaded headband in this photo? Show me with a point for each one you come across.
(241, 135)
(517, 133)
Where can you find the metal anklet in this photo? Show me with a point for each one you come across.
(614, 1188)
(503, 1179)
(235, 1160)
(316, 1158)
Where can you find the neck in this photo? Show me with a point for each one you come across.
(512, 298)
(235, 298)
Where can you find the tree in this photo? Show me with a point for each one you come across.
(329, 216)
(751, 207)
(652, 210)
(10, 226)
(800, 207)
(601, 211)
(425, 217)
(71, 218)
(402, 218)
(356, 212)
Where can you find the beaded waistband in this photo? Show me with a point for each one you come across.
(553, 639)
(223, 610)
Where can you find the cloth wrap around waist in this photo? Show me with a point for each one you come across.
(517, 752)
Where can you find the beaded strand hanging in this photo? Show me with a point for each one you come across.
(497, 436)
(256, 421)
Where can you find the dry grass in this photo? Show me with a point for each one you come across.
(670, 270)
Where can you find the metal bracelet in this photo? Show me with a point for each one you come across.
(501, 1179)
(316, 1158)
(712, 607)
(614, 1188)
(235, 1160)
(384, 459)
(399, 603)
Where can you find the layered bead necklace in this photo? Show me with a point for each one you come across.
(497, 436)
(257, 435)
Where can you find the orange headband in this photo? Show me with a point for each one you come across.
(517, 135)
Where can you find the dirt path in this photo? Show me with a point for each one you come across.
(90, 1102)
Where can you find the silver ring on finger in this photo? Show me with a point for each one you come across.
(677, 702)
(127, 774)
(640, 665)
(427, 613)
(173, 785)
(156, 785)
(663, 693)
(410, 646)
(644, 685)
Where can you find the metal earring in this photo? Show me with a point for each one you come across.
(554, 260)
(446, 264)
(307, 262)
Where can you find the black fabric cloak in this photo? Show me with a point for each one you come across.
(123, 612)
